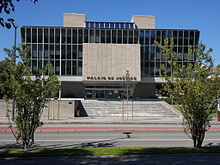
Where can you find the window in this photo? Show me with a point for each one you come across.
(119, 37)
(40, 36)
(146, 54)
(125, 36)
(152, 37)
(46, 36)
(97, 36)
(40, 51)
(141, 37)
(80, 52)
(186, 38)
(51, 35)
(51, 52)
(57, 52)
(74, 66)
(74, 52)
(57, 35)
(108, 36)
(34, 51)
(96, 24)
(57, 67)
(34, 35)
(102, 36)
(80, 36)
(107, 25)
(111, 25)
(92, 36)
(63, 67)
(127, 26)
(135, 36)
(68, 52)
(63, 52)
(101, 25)
(68, 68)
(191, 38)
(86, 35)
(131, 36)
(28, 35)
(63, 32)
(22, 35)
(180, 38)
(117, 25)
(92, 25)
(114, 36)
(79, 68)
(147, 37)
(46, 51)
(34, 65)
(74, 36)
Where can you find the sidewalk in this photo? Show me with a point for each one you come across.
(107, 125)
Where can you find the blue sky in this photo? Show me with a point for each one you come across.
(203, 15)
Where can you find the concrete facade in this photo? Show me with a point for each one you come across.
(143, 21)
(110, 60)
(74, 20)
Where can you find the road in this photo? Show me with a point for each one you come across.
(121, 160)
(110, 139)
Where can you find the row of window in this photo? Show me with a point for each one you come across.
(55, 51)
(63, 67)
(110, 25)
(119, 36)
(39, 51)
(153, 69)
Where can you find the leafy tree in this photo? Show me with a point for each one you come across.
(30, 91)
(195, 85)
(7, 7)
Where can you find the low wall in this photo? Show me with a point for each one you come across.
(53, 110)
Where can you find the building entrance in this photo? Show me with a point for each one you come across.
(104, 92)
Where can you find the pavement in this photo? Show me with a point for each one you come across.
(108, 124)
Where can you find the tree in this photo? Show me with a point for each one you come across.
(128, 85)
(195, 85)
(7, 7)
(29, 90)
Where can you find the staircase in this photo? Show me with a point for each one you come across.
(146, 109)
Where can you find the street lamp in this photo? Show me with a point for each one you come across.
(14, 60)
(15, 27)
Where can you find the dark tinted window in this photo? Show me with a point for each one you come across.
(51, 35)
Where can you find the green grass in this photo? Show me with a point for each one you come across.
(107, 151)
(211, 115)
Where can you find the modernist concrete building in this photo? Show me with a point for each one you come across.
(91, 58)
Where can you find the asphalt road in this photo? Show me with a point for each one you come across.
(121, 160)
(110, 139)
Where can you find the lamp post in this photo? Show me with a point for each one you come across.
(14, 60)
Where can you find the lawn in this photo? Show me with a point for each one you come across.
(117, 151)
(211, 115)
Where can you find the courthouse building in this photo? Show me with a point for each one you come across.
(91, 58)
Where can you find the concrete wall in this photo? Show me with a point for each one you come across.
(111, 60)
(64, 109)
(74, 20)
(72, 90)
(143, 21)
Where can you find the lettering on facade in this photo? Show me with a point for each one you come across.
(94, 78)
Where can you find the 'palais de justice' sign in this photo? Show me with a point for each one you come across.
(94, 78)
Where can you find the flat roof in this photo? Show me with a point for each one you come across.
(101, 28)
